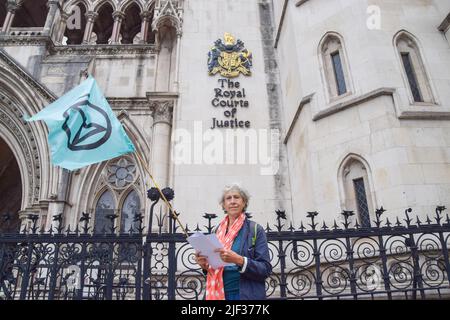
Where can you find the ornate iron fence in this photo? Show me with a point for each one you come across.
(404, 259)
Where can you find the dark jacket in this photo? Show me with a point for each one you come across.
(252, 282)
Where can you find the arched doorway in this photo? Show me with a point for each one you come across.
(10, 190)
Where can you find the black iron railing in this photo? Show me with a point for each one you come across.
(402, 259)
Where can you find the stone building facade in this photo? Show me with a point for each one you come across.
(387, 130)
(347, 106)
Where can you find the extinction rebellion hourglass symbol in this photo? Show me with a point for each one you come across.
(89, 135)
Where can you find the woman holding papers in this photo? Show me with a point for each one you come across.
(244, 244)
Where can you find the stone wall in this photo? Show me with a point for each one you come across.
(198, 184)
(407, 146)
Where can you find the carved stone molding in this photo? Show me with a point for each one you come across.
(19, 71)
(168, 12)
(162, 111)
(107, 50)
(24, 38)
(10, 118)
(133, 104)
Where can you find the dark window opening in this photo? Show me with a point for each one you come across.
(10, 190)
(151, 34)
(103, 212)
(76, 25)
(130, 209)
(361, 202)
(104, 23)
(412, 79)
(131, 24)
(339, 73)
(32, 13)
(3, 12)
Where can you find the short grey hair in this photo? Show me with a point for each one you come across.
(235, 187)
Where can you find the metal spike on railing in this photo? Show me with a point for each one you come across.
(112, 217)
(439, 210)
(312, 216)
(209, 217)
(448, 219)
(324, 227)
(398, 224)
(388, 223)
(378, 214)
(33, 218)
(357, 226)
(77, 230)
(85, 217)
(302, 227)
(335, 226)
(58, 218)
(42, 229)
(281, 214)
(347, 214)
(268, 228)
(408, 219)
(291, 227)
(187, 228)
(428, 221)
(418, 222)
(197, 229)
(68, 230)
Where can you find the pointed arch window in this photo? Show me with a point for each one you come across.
(103, 26)
(119, 186)
(105, 208)
(75, 25)
(355, 178)
(131, 25)
(31, 13)
(130, 208)
(335, 66)
(413, 69)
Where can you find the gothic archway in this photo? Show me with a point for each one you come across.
(10, 190)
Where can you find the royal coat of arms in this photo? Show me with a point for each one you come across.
(229, 58)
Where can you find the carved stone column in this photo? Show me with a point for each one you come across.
(52, 8)
(118, 17)
(62, 28)
(90, 16)
(162, 127)
(58, 200)
(12, 8)
(145, 16)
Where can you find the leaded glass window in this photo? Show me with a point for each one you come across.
(412, 79)
(121, 181)
(413, 67)
(338, 73)
(121, 173)
(361, 202)
(335, 66)
(131, 207)
(105, 208)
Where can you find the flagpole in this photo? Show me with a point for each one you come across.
(172, 211)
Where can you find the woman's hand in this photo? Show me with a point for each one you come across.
(202, 261)
(230, 256)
